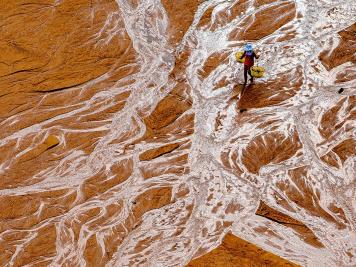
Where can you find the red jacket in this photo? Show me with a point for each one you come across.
(249, 60)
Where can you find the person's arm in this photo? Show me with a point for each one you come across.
(243, 55)
(255, 55)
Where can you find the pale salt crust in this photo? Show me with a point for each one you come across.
(147, 25)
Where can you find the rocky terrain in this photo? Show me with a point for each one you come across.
(125, 139)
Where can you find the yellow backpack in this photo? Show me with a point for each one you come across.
(257, 71)
(238, 57)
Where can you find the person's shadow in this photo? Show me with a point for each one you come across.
(238, 93)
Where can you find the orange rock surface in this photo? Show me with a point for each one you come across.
(235, 251)
(344, 52)
(272, 214)
(128, 139)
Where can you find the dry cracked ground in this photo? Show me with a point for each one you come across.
(126, 141)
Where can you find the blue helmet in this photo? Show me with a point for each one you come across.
(248, 47)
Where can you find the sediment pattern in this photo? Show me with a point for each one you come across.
(125, 140)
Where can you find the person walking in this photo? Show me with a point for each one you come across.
(249, 56)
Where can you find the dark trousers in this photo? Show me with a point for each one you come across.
(247, 69)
